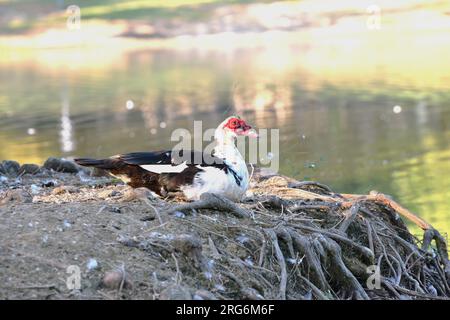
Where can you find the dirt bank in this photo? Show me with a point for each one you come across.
(286, 240)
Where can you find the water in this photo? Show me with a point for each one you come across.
(354, 116)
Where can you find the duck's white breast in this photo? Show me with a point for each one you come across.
(215, 180)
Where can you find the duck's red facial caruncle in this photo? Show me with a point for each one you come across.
(240, 127)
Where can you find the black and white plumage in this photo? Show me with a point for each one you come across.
(223, 172)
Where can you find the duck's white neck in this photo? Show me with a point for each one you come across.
(226, 149)
(226, 146)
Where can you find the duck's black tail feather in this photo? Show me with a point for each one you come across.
(106, 164)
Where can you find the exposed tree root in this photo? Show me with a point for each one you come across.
(307, 246)
(211, 201)
(383, 199)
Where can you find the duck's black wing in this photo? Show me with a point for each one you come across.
(171, 158)
(160, 171)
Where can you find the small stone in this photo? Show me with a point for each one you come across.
(61, 165)
(113, 280)
(52, 163)
(175, 292)
(67, 224)
(92, 264)
(29, 168)
(10, 168)
(179, 214)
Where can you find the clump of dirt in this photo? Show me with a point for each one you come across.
(70, 233)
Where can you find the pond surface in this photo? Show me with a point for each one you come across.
(355, 115)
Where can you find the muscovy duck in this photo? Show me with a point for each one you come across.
(223, 172)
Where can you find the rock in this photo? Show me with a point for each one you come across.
(16, 195)
(52, 163)
(113, 280)
(11, 168)
(29, 168)
(61, 165)
(92, 264)
(175, 292)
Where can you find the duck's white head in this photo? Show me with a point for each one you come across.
(232, 127)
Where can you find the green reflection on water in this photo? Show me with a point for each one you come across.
(342, 134)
